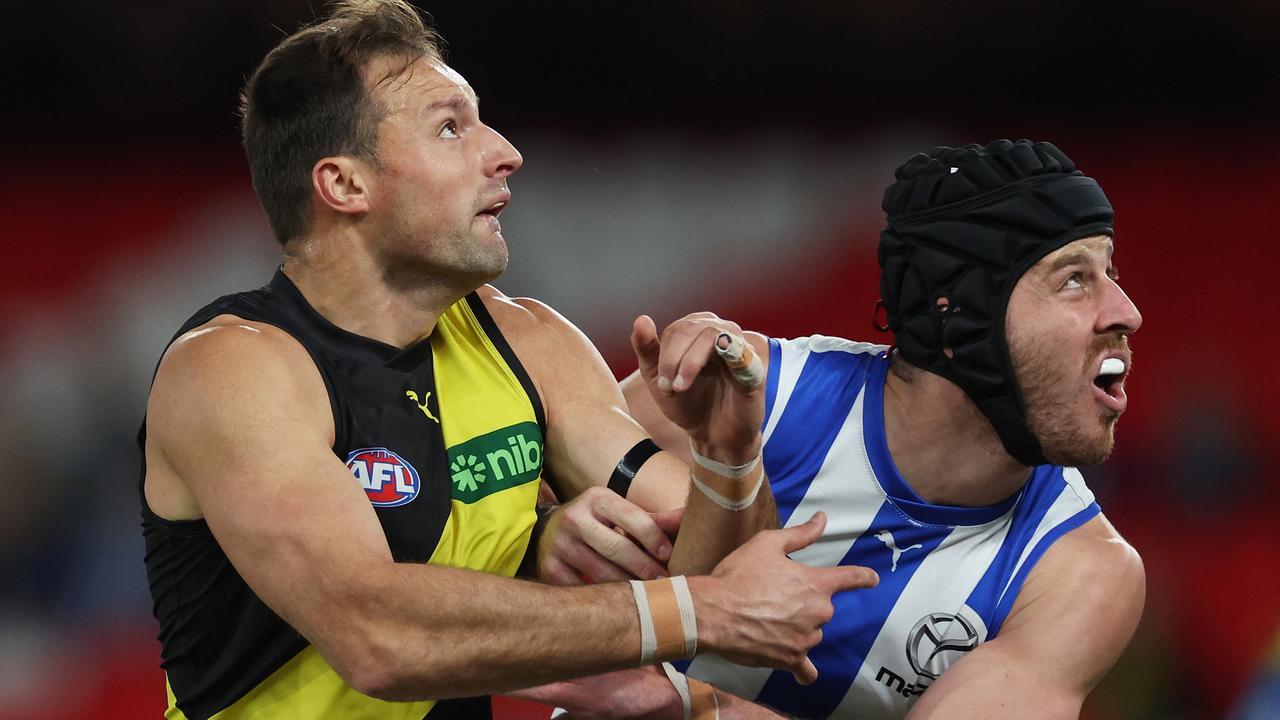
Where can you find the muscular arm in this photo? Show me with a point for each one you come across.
(589, 430)
(239, 415)
(1072, 619)
(715, 540)
(641, 406)
(241, 434)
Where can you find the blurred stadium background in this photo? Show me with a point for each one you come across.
(722, 155)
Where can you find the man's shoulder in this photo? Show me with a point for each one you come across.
(532, 327)
(230, 356)
(520, 314)
(233, 342)
(1095, 553)
(1091, 573)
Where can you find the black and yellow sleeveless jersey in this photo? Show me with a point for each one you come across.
(445, 437)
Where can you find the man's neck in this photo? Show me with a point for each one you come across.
(944, 447)
(351, 290)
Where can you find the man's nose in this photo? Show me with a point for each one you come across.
(1119, 314)
(501, 157)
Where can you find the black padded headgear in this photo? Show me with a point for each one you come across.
(964, 224)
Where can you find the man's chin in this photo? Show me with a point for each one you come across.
(491, 271)
(1081, 452)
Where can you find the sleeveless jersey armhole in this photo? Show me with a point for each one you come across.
(499, 342)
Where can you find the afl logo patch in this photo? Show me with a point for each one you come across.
(388, 479)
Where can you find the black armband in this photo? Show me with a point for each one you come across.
(629, 465)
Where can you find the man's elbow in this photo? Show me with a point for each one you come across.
(361, 664)
(369, 654)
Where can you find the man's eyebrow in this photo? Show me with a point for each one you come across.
(1076, 257)
(453, 101)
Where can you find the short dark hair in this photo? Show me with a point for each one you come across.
(309, 99)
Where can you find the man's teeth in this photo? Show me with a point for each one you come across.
(1112, 366)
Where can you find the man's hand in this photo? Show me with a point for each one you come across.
(695, 389)
(640, 694)
(761, 608)
(643, 694)
(600, 536)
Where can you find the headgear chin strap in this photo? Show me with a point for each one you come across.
(964, 224)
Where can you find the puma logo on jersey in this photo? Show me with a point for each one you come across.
(422, 405)
(886, 537)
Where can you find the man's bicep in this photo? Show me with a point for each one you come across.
(588, 428)
(1072, 619)
(997, 682)
(242, 418)
(640, 405)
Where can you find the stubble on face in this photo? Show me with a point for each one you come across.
(1052, 390)
(428, 226)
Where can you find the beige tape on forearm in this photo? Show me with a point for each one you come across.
(668, 628)
(741, 359)
(734, 494)
(697, 698)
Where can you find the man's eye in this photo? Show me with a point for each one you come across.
(1073, 281)
(449, 130)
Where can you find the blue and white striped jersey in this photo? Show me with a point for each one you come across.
(948, 575)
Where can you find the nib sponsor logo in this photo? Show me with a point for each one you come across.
(468, 473)
(495, 461)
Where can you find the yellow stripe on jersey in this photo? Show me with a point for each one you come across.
(494, 447)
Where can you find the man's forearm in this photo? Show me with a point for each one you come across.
(709, 532)
(427, 631)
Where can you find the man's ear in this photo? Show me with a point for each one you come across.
(341, 182)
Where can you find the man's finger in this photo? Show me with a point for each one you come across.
(668, 521)
(597, 567)
(555, 572)
(605, 545)
(848, 577)
(805, 673)
(677, 341)
(804, 534)
(644, 341)
(696, 356)
(638, 524)
(741, 359)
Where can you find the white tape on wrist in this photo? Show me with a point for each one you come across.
(735, 472)
(668, 627)
(697, 698)
(731, 504)
(688, 620)
(731, 493)
(681, 684)
(648, 641)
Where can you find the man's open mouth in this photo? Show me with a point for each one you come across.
(1110, 383)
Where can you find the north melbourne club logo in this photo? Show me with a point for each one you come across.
(388, 479)
(938, 641)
